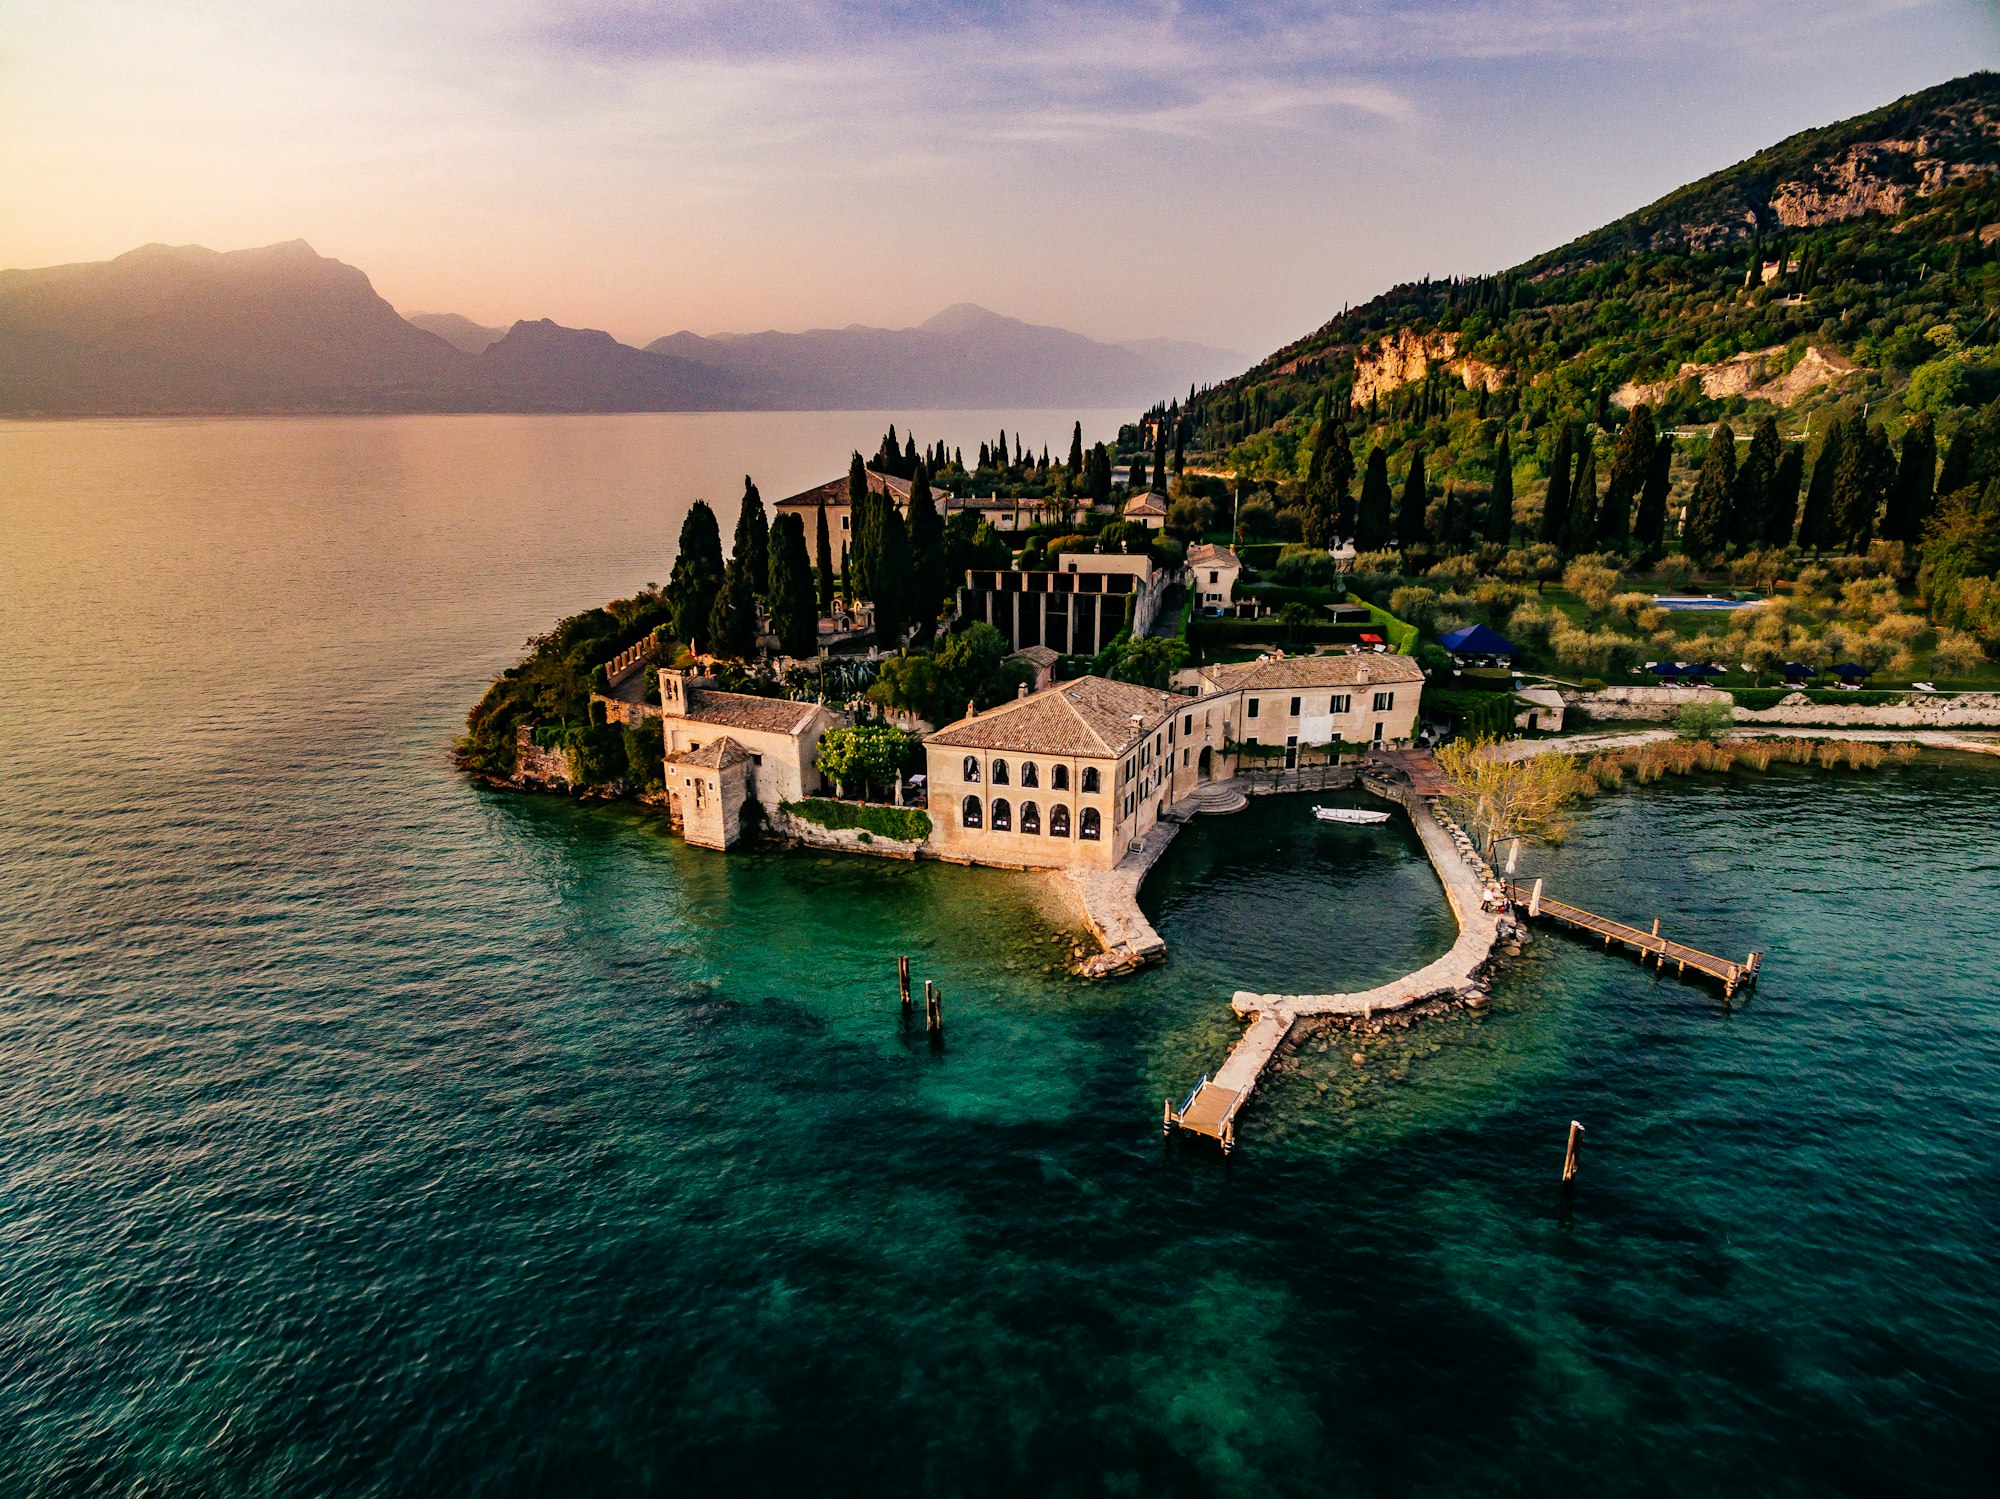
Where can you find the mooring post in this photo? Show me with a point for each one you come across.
(903, 980)
(933, 1009)
(1166, 1116)
(1570, 1154)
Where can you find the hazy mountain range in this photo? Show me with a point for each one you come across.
(283, 329)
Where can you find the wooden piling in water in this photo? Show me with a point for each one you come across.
(1571, 1152)
(933, 1010)
(903, 980)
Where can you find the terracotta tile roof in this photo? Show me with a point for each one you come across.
(739, 710)
(718, 754)
(834, 491)
(1205, 554)
(1035, 655)
(1152, 502)
(1090, 716)
(1356, 669)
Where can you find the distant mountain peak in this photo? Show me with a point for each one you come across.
(965, 317)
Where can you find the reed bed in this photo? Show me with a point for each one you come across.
(1647, 763)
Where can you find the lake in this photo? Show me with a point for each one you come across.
(366, 1132)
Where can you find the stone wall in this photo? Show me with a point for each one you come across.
(846, 840)
(534, 766)
(1919, 710)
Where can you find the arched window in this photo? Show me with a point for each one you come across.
(1089, 778)
(970, 816)
(1030, 776)
(1003, 815)
(1031, 818)
(1059, 821)
(1059, 778)
(971, 768)
(999, 772)
(1088, 827)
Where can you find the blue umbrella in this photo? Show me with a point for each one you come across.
(1668, 669)
(1850, 669)
(1797, 669)
(1704, 671)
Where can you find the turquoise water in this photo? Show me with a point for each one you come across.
(364, 1132)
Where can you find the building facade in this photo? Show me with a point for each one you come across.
(725, 749)
(1073, 608)
(1072, 776)
(1212, 575)
(1313, 701)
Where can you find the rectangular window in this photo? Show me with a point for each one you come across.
(1295, 707)
(1253, 708)
(1340, 704)
(1384, 701)
(1187, 723)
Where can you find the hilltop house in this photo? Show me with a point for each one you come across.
(1149, 508)
(1212, 574)
(727, 749)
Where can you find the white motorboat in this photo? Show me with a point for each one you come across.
(1348, 814)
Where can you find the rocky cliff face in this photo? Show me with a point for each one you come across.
(1750, 375)
(1399, 358)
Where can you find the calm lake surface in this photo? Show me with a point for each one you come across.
(363, 1132)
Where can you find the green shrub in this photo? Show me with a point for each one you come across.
(1706, 719)
(1757, 699)
(903, 824)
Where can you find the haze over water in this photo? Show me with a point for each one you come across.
(366, 1132)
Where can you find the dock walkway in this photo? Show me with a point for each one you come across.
(1476, 900)
(1661, 950)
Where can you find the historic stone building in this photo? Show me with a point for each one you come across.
(1311, 701)
(1074, 608)
(1074, 775)
(726, 749)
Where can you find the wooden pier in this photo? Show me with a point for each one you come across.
(1648, 945)
(1212, 1107)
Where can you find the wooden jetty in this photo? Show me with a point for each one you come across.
(1648, 945)
(1212, 1107)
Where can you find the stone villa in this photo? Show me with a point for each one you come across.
(727, 749)
(1075, 775)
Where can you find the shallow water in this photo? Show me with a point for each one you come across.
(365, 1132)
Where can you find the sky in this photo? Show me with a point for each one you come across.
(1231, 173)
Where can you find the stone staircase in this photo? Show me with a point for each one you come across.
(1218, 797)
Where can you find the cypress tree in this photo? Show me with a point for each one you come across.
(1100, 475)
(1781, 504)
(1630, 464)
(697, 575)
(794, 607)
(1160, 455)
(732, 619)
(1816, 522)
(1956, 472)
(1649, 525)
(823, 560)
(1911, 499)
(1555, 505)
(1706, 532)
(894, 583)
(926, 537)
(1858, 485)
(863, 525)
(846, 580)
(1329, 479)
(909, 457)
(1500, 502)
(1582, 531)
(1412, 523)
(1076, 450)
(1372, 526)
(1750, 495)
(752, 545)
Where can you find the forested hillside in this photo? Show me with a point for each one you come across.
(1828, 305)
